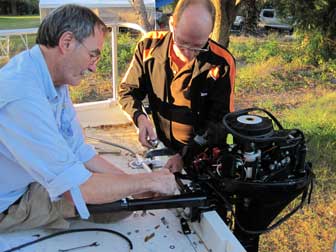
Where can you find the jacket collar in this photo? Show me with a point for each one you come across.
(161, 50)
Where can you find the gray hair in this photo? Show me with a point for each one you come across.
(79, 20)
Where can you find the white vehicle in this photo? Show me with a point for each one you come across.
(238, 24)
(269, 20)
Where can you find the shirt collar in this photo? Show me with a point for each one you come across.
(41, 64)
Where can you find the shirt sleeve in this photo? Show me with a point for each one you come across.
(132, 88)
(30, 132)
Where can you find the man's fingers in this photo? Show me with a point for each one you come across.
(173, 168)
(151, 133)
(145, 143)
(151, 136)
(167, 183)
(146, 131)
(142, 140)
(143, 137)
(174, 164)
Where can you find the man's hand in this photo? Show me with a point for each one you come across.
(164, 182)
(146, 131)
(174, 163)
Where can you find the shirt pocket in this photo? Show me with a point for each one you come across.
(66, 122)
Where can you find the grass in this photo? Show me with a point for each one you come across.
(318, 120)
(19, 22)
(276, 64)
(313, 228)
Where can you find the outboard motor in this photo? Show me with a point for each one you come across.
(259, 172)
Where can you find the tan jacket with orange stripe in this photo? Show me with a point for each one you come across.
(182, 103)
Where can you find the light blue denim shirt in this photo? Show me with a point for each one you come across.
(40, 137)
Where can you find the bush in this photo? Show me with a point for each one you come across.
(256, 50)
(94, 87)
(314, 48)
(126, 47)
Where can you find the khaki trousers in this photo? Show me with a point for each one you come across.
(36, 210)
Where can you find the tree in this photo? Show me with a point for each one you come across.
(13, 7)
(315, 20)
(140, 9)
(19, 7)
(32, 6)
(251, 17)
(226, 11)
(311, 15)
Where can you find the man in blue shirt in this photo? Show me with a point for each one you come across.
(47, 170)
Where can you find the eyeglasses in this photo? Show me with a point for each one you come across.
(195, 50)
(94, 54)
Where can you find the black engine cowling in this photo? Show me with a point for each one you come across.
(260, 170)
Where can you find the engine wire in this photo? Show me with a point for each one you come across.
(113, 144)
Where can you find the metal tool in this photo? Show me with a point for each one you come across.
(140, 162)
(94, 244)
(153, 142)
